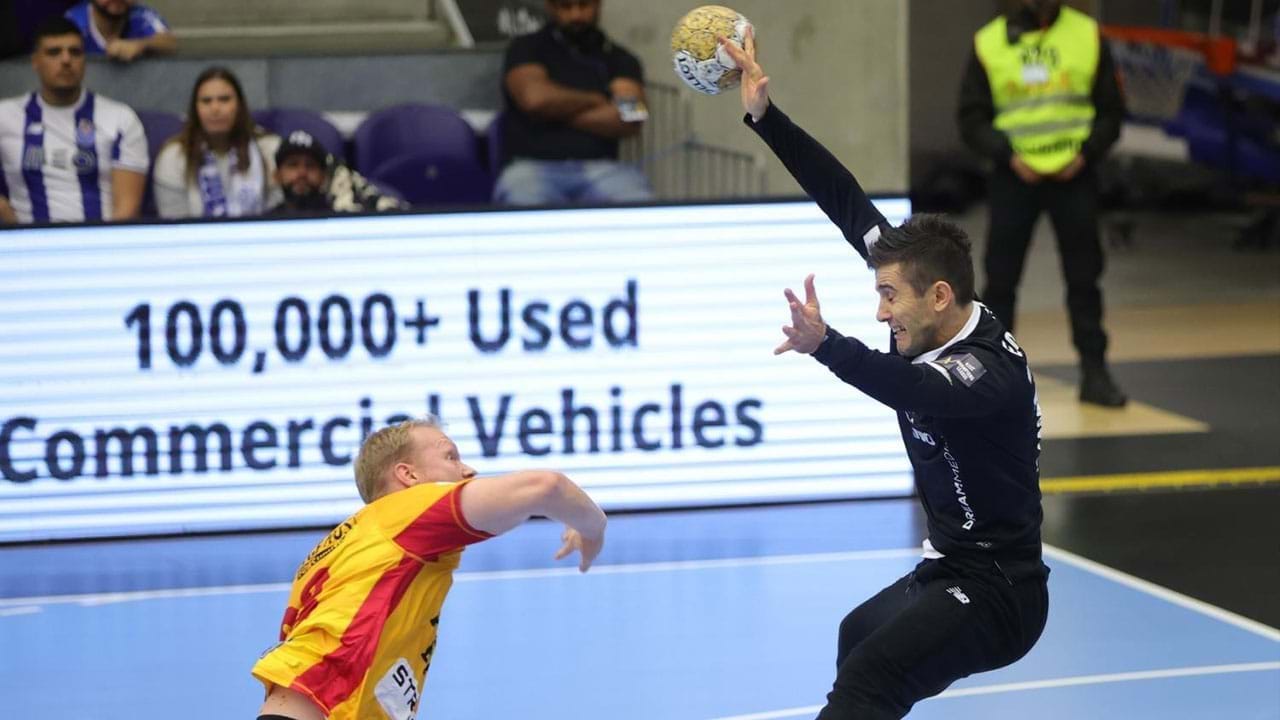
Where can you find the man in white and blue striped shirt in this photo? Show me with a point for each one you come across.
(67, 155)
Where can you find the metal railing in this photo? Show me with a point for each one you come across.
(678, 164)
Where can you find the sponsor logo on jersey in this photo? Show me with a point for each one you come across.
(964, 367)
(958, 594)
(962, 495)
(923, 437)
(397, 692)
(84, 133)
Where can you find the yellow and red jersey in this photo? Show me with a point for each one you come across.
(360, 628)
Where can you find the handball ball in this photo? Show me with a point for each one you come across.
(699, 60)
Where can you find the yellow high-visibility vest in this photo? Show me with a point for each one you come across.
(1041, 86)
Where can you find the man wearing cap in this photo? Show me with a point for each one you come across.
(313, 182)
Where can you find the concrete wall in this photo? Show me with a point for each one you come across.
(941, 40)
(465, 80)
(182, 13)
(838, 67)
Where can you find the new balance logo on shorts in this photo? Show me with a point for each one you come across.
(958, 594)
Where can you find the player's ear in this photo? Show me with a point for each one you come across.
(402, 475)
(942, 295)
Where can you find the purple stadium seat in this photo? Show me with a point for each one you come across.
(495, 146)
(158, 127)
(430, 177)
(426, 152)
(283, 121)
(411, 128)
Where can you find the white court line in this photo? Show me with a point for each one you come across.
(94, 599)
(1163, 593)
(20, 610)
(1044, 684)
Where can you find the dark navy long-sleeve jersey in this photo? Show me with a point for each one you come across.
(967, 411)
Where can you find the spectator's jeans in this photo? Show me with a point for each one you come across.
(567, 182)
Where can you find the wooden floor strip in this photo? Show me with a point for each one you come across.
(1155, 480)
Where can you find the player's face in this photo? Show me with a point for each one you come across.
(216, 105)
(574, 14)
(59, 62)
(909, 315)
(435, 458)
(301, 174)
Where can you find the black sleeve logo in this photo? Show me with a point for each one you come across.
(964, 367)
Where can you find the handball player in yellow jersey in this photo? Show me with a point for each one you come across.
(360, 628)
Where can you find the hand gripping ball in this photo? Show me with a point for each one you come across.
(699, 60)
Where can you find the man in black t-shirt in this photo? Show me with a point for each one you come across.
(570, 93)
(969, 418)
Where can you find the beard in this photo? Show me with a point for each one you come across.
(586, 37)
(311, 199)
(104, 8)
(1045, 9)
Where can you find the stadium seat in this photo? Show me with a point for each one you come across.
(283, 121)
(158, 126)
(435, 176)
(411, 128)
(428, 153)
(495, 146)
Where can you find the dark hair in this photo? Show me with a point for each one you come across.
(930, 249)
(193, 138)
(55, 27)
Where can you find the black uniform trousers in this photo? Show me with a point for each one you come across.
(1073, 210)
(940, 623)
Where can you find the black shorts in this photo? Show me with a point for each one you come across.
(942, 622)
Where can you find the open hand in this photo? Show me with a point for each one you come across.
(755, 86)
(588, 548)
(807, 329)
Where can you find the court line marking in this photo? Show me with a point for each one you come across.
(1077, 680)
(1152, 480)
(95, 599)
(1163, 593)
(1109, 573)
(20, 610)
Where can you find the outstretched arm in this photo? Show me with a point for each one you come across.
(823, 178)
(497, 504)
(962, 383)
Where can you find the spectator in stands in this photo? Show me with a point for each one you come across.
(122, 29)
(570, 94)
(221, 164)
(311, 181)
(66, 154)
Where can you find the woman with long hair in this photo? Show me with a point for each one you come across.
(221, 164)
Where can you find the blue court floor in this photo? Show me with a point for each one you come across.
(712, 615)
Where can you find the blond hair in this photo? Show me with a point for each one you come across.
(382, 450)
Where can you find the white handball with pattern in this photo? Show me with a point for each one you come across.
(700, 61)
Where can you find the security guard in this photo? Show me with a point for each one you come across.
(1040, 99)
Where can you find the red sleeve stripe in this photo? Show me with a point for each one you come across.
(455, 501)
(338, 674)
(438, 530)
